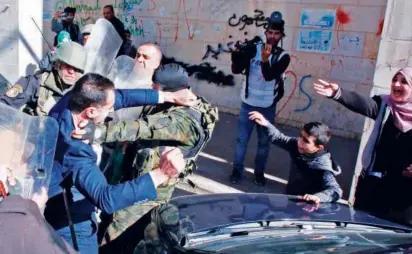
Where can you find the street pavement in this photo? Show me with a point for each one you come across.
(215, 163)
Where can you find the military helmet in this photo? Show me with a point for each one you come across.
(171, 77)
(71, 53)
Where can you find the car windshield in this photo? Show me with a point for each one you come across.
(325, 241)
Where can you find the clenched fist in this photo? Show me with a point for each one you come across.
(172, 162)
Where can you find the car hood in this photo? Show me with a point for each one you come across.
(207, 212)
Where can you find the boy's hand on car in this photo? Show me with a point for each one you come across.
(258, 118)
(310, 198)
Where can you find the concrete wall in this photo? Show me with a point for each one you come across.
(185, 29)
(30, 38)
(9, 35)
(20, 41)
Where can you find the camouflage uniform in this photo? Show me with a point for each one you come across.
(164, 231)
(37, 94)
(163, 125)
(50, 91)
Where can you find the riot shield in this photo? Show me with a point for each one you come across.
(102, 47)
(121, 71)
(27, 151)
(4, 84)
(126, 73)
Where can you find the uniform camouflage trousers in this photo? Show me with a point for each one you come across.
(165, 230)
(126, 217)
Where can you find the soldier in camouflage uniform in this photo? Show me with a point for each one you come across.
(37, 94)
(162, 125)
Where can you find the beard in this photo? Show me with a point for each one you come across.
(68, 21)
(143, 72)
(273, 42)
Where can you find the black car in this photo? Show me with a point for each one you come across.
(270, 223)
(274, 223)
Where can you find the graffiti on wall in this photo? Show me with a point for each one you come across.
(214, 53)
(204, 72)
(201, 34)
(259, 20)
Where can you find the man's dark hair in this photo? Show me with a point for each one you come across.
(110, 7)
(70, 10)
(318, 130)
(127, 31)
(89, 90)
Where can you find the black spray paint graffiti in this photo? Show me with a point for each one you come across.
(210, 51)
(204, 71)
(216, 52)
(259, 20)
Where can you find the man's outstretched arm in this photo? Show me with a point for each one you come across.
(126, 98)
(171, 127)
(90, 181)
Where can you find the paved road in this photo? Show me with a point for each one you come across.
(215, 163)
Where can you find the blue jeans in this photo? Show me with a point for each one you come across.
(86, 235)
(245, 128)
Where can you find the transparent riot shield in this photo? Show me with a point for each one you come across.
(126, 73)
(4, 84)
(102, 47)
(121, 71)
(26, 152)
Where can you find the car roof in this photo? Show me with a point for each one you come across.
(209, 211)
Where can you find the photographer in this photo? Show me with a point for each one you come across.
(66, 23)
(264, 65)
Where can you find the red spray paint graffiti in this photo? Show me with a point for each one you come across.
(153, 6)
(380, 27)
(342, 18)
(159, 33)
(191, 33)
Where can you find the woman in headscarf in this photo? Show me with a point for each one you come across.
(385, 185)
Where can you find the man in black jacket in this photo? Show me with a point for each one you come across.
(63, 21)
(108, 13)
(263, 65)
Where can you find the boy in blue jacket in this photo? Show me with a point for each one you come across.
(312, 176)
